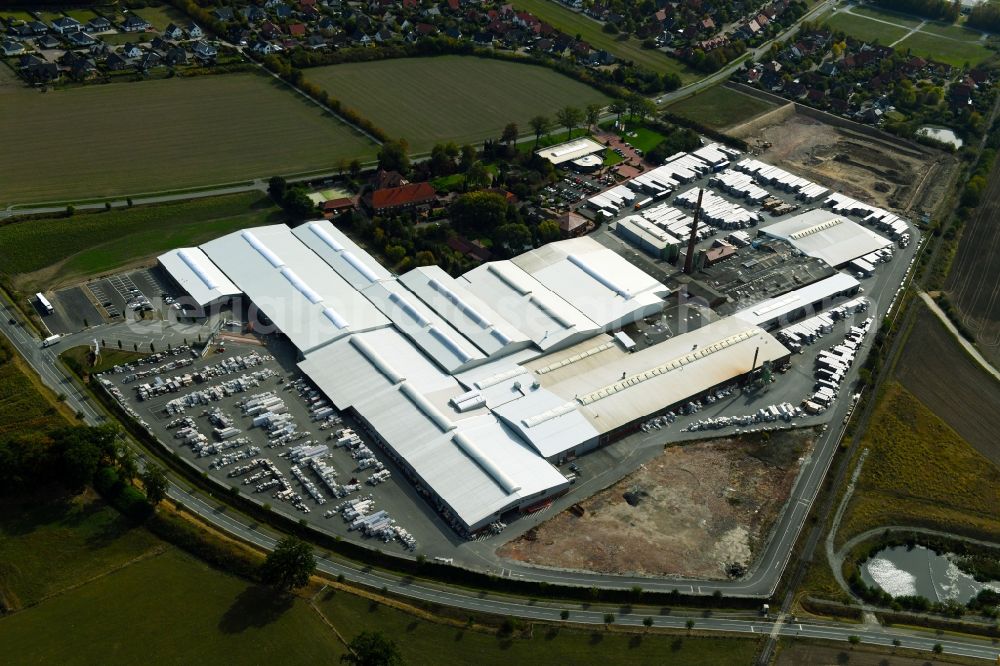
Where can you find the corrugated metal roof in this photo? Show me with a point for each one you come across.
(828, 236)
(197, 275)
(344, 255)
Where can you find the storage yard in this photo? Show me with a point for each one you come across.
(697, 510)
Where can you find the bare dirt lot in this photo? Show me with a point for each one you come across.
(943, 377)
(974, 280)
(696, 510)
(883, 172)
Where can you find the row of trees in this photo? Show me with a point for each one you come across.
(292, 198)
(932, 9)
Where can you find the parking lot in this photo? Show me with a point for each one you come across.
(206, 410)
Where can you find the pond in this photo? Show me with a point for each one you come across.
(921, 572)
(942, 134)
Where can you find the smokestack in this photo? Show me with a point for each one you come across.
(689, 259)
(754, 366)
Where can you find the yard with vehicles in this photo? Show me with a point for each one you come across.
(720, 107)
(451, 98)
(48, 252)
(168, 134)
(919, 472)
(936, 370)
(700, 510)
(621, 46)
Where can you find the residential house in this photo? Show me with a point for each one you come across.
(134, 23)
(262, 47)
(43, 72)
(224, 14)
(297, 30)
(37, 28)
(283, 12)
(160, 45)
(174, 56)
(98, 24)
(269, 30)
(334, 207)
(131, 51)
(383, 179)
(29, 60)
(204, 51)
(473, 249)
(11, 48)
(47, 42)
(22, 31)
(173, 31)
(316, 41)
(254, 14)
(79, 39)
(406, 197)
(115, 63)
(149, 60)
(66, 24)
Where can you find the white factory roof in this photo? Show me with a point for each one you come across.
(433, 334)
(828, 236)
(773, 309)
(304, 297)
(612, 388)
(197, 275)
(647, 230)
(594, 279)
(529, 305)
(473, 462)
(466, 312)
(352, 263)
(570, 150)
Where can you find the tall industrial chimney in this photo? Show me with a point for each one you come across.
(689, 259)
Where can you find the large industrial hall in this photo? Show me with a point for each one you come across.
(474, 405)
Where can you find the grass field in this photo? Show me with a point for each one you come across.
(57, 250)
(936, 370)
(15, 15)
(423, 642)
(25, 405)
(162, 16)
(170, 609)
(127, 138)
(645, 139)
(110, 357)
(880, 14)
(950, 51)
(451, 98)
(920, 472)
(81, 538)
(865, 29)
(575, 23)
(720, 107)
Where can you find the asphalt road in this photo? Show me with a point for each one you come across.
(44, 362)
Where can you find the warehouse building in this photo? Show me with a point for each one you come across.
(473, 404)
(570, 151)
(781, 310)
(196, 275)
(648, 237)
(828, 236)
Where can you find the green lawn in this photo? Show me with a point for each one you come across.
(953, 31)
(120, 38)
(951, 51)
(423, 642)
(169, 609)
(162, 16)
(865, 29)
(451, 98)
(79, 357)
(86, 244)
(81, 15)
(15, 15)
(720, 107)
(139, 137)
(880, 14)
(575, 23)
(612, 158)
(643, 138)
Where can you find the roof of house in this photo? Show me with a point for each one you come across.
(405, 195)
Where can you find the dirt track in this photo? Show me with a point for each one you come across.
(692, 511)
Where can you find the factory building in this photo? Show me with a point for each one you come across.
(648, 237)
(475, 385)
(827, 236)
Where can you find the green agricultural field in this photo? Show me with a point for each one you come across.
(720, 107)
(431, 644)
(451, 98)
(56, 250)
(950, 51)
(920, 472)
(170, 609)
(630, 48)
(82, 538)
(866, 29)
(139, 137)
